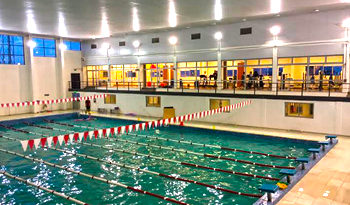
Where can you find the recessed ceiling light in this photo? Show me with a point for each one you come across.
(316, 10)
(188, 27)
(214, 23)
(277, 15)
(244, 20)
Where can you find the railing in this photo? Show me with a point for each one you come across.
(255, 87)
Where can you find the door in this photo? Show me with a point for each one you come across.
(92, 78)
(75, 79)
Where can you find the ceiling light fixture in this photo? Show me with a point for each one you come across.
(135, 22)
(218, 36)
(63, 47)
(31, 44)
(136, 44)
(275, 30)
(346, 23)
(275, 6)
(106, 46)
(172, 14)
(173, 40)
(218, 10)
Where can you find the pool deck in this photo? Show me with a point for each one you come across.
(328, 183)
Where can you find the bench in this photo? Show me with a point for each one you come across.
(314, 151)
(269, 189)
(331, 137)
(302, 161)
(289, 173)
(323, 144)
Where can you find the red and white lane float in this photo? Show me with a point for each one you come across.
(53, 101)
(106, 132)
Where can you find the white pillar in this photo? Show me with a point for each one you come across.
(61, 82)
(346, 88)
(109, 70)
(274, 68)
(219, 80)
(175, 68)
(139, 72)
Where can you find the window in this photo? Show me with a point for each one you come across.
(196, 36)
(152, 101)
(110, 99)
(72, 45)
(44, 47)
(155, 40)
(11, 49)
(246, 31)
(122, 43)
(218, 103)
(305, 110)
(93, 46)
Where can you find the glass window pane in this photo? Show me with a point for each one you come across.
(266, 62)
(320, 59)
(299, 60)
(49, 43)
(284, 61)
(18, 40)
(239, 62)
(49, 52)
(19, 59)
(67, 43)
(18, 50)
(181, 65)
(75, 46)
(39, 42)
(252, 62)
(38, 51)
(191, 64)
(334, 59)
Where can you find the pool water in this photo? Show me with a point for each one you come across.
(96, 192)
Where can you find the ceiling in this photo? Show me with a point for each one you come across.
(101, 18)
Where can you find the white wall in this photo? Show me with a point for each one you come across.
(329, 117)
(297, 28)
(39, 76)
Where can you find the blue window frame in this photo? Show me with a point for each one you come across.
(11, 50)
(44, 47)
(72, 45)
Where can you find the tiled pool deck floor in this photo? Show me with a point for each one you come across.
(328, 183)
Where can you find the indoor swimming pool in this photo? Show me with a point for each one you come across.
(189, 165)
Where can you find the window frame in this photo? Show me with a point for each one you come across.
(108, 98)
(226, 100)
(148, 104)
(44, 48)
(312, 105)
(11, 50)
(69, 45)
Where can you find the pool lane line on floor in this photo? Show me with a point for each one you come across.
(43, 188)
(205, 155)
(200, 154)
(185, 142)
(146, 171)
(94, 177)
(46, 127)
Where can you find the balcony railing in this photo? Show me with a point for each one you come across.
(255, 87)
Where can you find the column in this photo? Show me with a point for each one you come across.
(109, 83)
(274, 68)
(219, 80)
(175, 68)
(139, 72)
(61, 88)
(346, 88)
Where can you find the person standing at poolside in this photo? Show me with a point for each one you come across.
(88, 107)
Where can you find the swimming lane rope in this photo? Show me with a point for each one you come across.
(159, 158)
(94, 177)
(185, 142)
(196, 153)
(43, 188)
